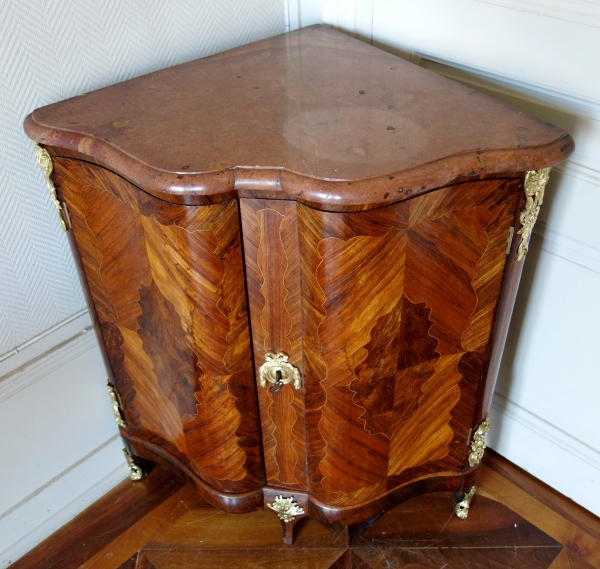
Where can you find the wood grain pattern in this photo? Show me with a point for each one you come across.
(585, 547)
(398, 305)
(252, 559)
(386, 313)
(273, 279)
(391, 330)
(490, 524)
(168, 286)
(370, 249)
(421, 532)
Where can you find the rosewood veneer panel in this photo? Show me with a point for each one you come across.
(167, 285)
(398, 307)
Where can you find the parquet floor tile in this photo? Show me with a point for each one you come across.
(462, 558)
(205, 527)
(251, 559)
(428, 521)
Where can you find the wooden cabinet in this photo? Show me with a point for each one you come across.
(302, 257)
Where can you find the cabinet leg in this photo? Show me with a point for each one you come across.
(290, 510)
(138, 467)
(287, 529)
(462, 502)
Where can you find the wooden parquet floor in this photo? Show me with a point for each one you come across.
(159, 523)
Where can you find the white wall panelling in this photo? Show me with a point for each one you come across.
(581, 117)
(567, 228)
(541, 51)
(512, 423)
(60, 500)
(59, 446)
(541, 56)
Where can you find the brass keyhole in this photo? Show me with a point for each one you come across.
(275, 387)
(278, 371)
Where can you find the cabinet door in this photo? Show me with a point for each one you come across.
(270, 229)
(398, 308)
(167, 285)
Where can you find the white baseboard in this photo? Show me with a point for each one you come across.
(554, 456)
(49, 508)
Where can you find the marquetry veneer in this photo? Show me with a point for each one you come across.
(313, 199)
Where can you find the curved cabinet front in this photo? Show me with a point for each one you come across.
(399, 306)
(389, 314)
(167, 285)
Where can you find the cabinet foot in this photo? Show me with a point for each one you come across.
(287, 529)
(136, 471)
(462, 502)
(289, 509)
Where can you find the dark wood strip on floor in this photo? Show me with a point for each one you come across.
(515, 522)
